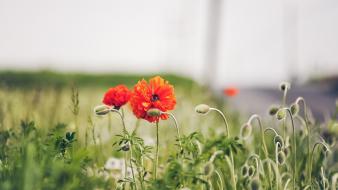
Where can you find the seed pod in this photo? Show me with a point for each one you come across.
(202, 109)
(284, 86)
(255, 184)
(281, 114)
(294, 108)
(273, 110)
(102, 110)
(246, 130)
(281, 158)
(251, 171)
(153, 112)
(244, 170)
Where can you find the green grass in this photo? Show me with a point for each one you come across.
(38, 149)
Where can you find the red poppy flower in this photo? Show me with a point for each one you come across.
(158, 93)
(117, 96)
(231, 91)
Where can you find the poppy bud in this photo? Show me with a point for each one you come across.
(286, 151)
(153, 112)
(251, 171)
(294, 109)
(273, 110)
(202, 109)
(255, 185)
(284, 86)
(279, 141)
(102, 110)
(246, 130)
(281, 114)
(244, 170)
(281, 158)
(209, 169)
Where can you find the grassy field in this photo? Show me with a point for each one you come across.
(50, 138)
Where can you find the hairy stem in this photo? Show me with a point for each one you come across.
(224, 119)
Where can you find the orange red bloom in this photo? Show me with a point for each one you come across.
(231, 91)
(158, 93)
(117, 96)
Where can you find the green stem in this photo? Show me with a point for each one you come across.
(177, 129)
(157, 150)
(224, 119)
(269, 166)
(301, 99)
(311, 161)
(232, 170)
(276, 171)
(263, 143)
(294, 149)
(131, 164)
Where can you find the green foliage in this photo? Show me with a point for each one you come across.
(46, 145)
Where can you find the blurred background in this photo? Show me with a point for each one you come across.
(249, 45)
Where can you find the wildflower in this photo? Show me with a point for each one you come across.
(117, 96)
(231, 91)
(114, 164)
(158, 93)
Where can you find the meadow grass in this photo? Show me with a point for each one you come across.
(50, 138)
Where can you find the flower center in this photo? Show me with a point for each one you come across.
(154, 98)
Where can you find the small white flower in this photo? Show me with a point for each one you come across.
(149, 141)
(114, 164)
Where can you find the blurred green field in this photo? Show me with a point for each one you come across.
(37, 109)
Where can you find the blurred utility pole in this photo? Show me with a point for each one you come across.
(291, 24)
(213, 28)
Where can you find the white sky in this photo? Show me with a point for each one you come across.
(258, 41)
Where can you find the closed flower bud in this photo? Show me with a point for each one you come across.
(246, 130)
(286, 151)
(102, 110)
(284, 86)
(273, 110)
(255, 184)
(154, 112)
(294, 109)
(279, 141)
(244, 170)
(251, 171)
(202, 109)
(208, 169)
(281, 158)
(281, 114)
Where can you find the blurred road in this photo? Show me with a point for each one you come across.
(320, 98)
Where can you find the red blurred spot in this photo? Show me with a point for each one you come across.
(231, 91)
